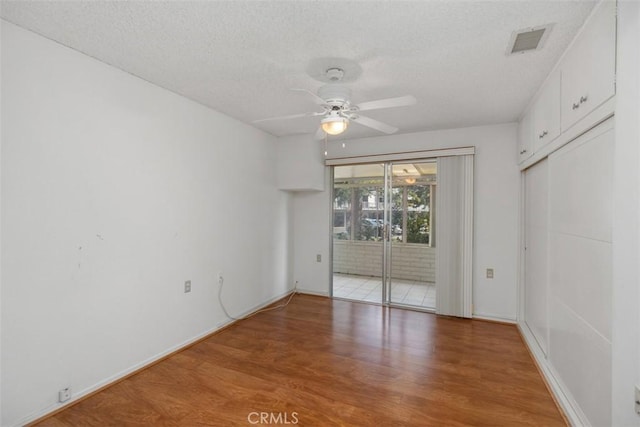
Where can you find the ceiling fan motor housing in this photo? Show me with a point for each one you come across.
(335, 95)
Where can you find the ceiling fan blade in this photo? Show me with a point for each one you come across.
(315, 97)
(374, 124)
(320, 135)
(292, 116)
(400, 101)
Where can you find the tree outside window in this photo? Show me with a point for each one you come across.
(358, 212)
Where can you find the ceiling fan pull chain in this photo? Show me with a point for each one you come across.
(325, 144)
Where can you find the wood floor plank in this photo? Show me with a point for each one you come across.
(324, 362)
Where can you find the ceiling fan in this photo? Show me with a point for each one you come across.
(337, 110)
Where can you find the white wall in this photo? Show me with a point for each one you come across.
(496, 211)
(625, 353)
(311, 232)
(1, 133)
(300, 164)
(114, 192)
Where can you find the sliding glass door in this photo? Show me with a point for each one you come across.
(358, 218)
(411, 267)
(383, 238)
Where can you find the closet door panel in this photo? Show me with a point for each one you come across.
(536, 243)
(581, 185)
(581, 276)
(580, 269)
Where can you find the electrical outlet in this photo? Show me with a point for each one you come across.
(64, 394)
(489, 273)
(187, 286)
(318, 258)
(637, 399)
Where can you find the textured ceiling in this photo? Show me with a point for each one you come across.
(241, 58)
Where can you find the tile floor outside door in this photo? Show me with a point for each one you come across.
(369, 289)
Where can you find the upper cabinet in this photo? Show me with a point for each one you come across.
(567, 105)
(546, 113)
(588, 69)
(525, 131)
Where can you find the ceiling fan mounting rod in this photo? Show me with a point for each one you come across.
(335, 74)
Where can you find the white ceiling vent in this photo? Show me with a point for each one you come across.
(528, 39)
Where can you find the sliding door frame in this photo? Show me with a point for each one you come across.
(388, 160)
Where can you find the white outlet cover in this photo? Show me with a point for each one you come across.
(64, 394)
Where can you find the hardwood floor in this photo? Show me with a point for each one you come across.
(323, 362)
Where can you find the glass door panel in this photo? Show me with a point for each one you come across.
(411, 209)
(383, 244)
(358, 217)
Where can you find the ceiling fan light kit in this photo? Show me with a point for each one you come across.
(334, 124)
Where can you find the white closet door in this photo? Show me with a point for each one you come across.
(580, 269)
(536, 285)
(455, 236)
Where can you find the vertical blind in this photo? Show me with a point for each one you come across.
(455, 236)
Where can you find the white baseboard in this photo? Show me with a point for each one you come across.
(310, 292)
(253, 309)
(138, 366)
(493, 318)
(112, 379)
(571, 409)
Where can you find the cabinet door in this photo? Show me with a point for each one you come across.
(588, 70)
(546, 113)
(525, 131)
